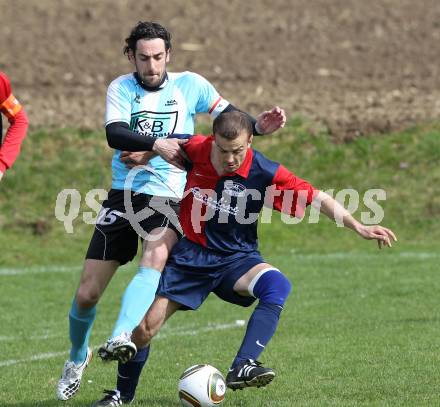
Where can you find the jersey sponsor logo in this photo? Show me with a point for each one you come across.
(232, 188)
(171, 102)
(211, 202)
(155, 124)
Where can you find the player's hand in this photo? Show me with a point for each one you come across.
(133, 159)
(1, 175)
(383, 235)
(170, 150)
(270, 120)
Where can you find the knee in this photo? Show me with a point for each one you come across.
(272, 287)
(155, 259)
(283, 286)
(86, 296)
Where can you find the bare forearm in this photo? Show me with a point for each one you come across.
(335, 211)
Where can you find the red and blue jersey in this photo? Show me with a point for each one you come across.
(221, 212)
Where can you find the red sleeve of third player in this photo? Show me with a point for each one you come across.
(9, 105)
(18, 120)
(291, 194)
(5, 87)
(10, 148)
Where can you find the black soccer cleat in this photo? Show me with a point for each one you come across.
(249, 373)
(112, 398)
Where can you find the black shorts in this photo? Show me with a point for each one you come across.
(120, 224)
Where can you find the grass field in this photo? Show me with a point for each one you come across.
(360, 329)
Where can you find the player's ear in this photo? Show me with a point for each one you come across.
(251, 137)
(167, 58)
(130, 55)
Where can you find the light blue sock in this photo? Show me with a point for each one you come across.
(80, 321)
(137, 299)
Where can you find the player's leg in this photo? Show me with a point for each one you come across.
(185, 284)
(163, 234)
(157, 315)
(136, 301)
(140, 292)
(113, 243)
(271, 288)
(181, 285)
(94, 279)
(161, 309)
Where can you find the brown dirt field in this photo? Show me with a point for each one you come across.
(357, 66)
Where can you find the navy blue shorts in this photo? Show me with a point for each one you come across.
(192, 272)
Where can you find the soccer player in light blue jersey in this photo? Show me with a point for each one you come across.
(142, 109)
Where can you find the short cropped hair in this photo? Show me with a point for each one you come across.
(147, 30)
(231, 124)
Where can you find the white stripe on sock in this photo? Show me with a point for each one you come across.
(257, 277)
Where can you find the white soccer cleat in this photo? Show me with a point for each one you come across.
(70, 380)
(119, 348)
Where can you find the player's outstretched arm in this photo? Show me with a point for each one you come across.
(270, 121)
(331, 208)
(266, 122)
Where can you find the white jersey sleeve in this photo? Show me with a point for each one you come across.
(118, 102)
(209, 100)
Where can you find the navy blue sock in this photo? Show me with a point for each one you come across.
(272, 288)
(259, 331)
(129, 373)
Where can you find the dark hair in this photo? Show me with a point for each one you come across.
(230, 124)
(147, 30)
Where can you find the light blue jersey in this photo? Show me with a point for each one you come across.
(170, 109)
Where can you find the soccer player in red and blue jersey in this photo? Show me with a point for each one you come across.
(18, 124)
(227, 186)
